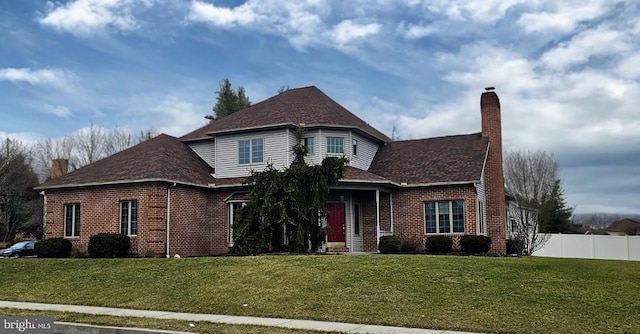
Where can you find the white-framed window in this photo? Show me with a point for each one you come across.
(309, 144)
(129, 217)
(444, 217)
(72, 220)
(233, 208)
(354, 145)
(335, 145)
(250, 151)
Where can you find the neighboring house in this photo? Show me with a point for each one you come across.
(180, 195)
(624, 227)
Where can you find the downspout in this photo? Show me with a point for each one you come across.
(377, 217)
(169, 215)
(44, 215)
(391, 210)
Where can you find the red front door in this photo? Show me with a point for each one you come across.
(336, 223)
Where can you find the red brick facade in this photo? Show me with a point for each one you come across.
(494, 177)
(197, 217)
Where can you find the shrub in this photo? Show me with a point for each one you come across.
(475, 244)
(389, 244)
(409, 246)
(106, 245)
(54, 247)
(439, 244)
(515, 246)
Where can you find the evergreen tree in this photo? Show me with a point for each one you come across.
(287, 207)
(553, 215)
(229, 100)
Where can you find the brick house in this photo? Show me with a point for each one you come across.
(179, 195)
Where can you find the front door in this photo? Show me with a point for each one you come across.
(336, 225)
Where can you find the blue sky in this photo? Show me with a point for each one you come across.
(567, 72)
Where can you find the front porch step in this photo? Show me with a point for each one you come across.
(337, 249)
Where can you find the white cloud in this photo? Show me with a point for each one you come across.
(485, 11)
(221, 16)
(60, 111)
(88, 17)
(52, 77)
(177, 117)
(600, 41)
(564, 17)
(416, 31)
(348, 31)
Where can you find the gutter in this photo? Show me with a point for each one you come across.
(119, 182)
(169, 215)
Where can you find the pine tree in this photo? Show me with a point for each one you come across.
(229, 100)
(554, 216)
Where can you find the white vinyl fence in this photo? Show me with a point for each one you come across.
(590, 246)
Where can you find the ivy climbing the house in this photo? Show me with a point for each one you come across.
(287, 207)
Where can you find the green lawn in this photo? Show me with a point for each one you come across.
(484, 294)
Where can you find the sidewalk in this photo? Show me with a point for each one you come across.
(226, 319)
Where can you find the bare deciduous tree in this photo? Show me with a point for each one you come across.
(529, 177)
(20, 205)
(83, 147)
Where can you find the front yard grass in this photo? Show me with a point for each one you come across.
(482, 294)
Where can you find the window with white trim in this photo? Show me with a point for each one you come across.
(72, 220)
(308, 143)
(250, 151)
(354, 149)
(234, 208)
(335, 145)
(444, 217)
(129, 217)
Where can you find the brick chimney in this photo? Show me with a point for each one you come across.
(59, 167)
(494, 178)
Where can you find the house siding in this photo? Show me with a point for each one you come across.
(275, 152)
(206, 150)
(366, 152)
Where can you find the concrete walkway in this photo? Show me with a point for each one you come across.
(223, 319)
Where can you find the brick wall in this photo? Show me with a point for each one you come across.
(198, 219)
(494, 178)
(408, 211)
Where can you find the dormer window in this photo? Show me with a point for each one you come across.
(335, 145)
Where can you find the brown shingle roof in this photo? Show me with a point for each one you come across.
(628, 226)
(432, 160)
(306, 105)
(161, 158)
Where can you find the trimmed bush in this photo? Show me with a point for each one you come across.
(107, 245)
(439, 244)
(515, 246)
(389, 244)
(475, 244)
(409, 246)
(54, 247)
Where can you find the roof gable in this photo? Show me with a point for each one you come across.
(161, 158)
(432, 160)
(308, 106)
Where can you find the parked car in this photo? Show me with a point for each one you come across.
(20, 249)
